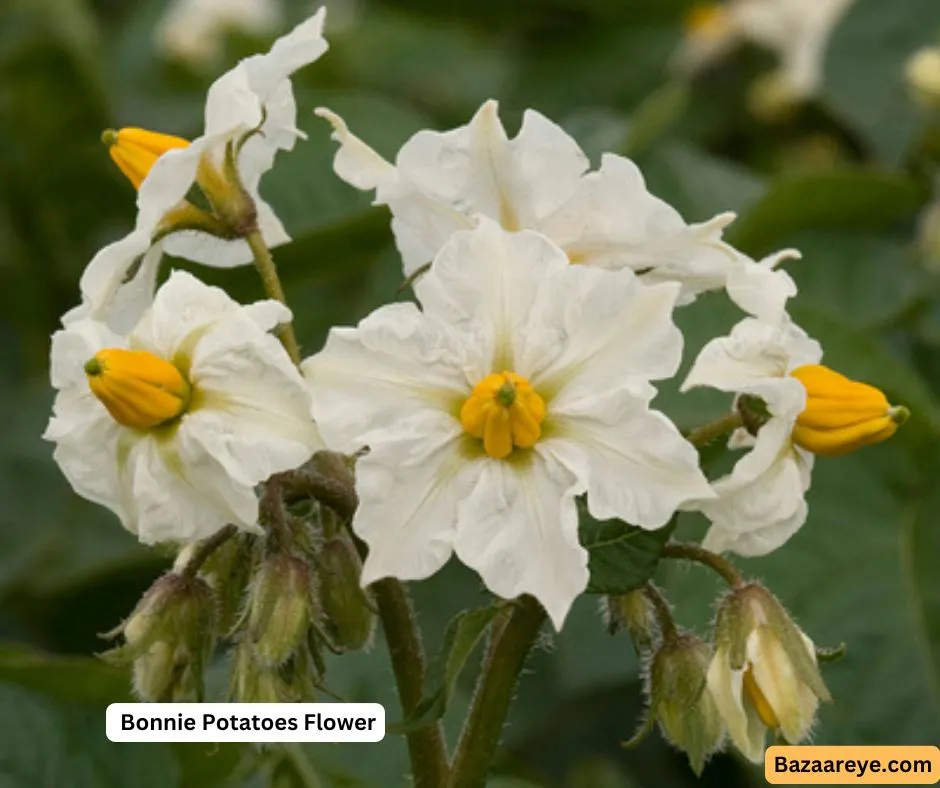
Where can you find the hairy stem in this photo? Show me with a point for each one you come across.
(713, 430)
(426, 748)
(508, 648)
(264, 263)
(661, 607)
(207, 548)
(693, 552)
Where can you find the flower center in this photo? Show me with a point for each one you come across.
(841, 414)
(135, 151)
(759, 701)
(139, 389)
(505, 412)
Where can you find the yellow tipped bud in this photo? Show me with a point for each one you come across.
(139, 389)
(135, 151)
(505, 412)
(841, 414)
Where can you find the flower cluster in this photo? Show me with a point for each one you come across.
(479, 420)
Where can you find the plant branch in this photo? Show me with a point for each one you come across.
(264, 263)
(426, 747)
(508, 648)
(206, 548)
(661, 607)
(713, 430)
(694, 552)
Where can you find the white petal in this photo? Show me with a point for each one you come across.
(355, 162)
(634, 463)
(73, 346)
(118, 284)
(591, 330)
(758, 540)
(484, 284)
(182, 309)
(397, 362)
(726, 688)
(409, 486)
(758, 288)
(519, 529)
(168, 181)
(794, 704)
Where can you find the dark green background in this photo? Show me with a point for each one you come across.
(843, 180)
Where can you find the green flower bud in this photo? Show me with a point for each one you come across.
(347, 607)
(633, 612)
(764, 674)
(679, 699)
(280, 606)
(255, 682)
(169, 638)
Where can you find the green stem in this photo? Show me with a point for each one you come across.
(661, 607)
(505, 656)
(264, 263)
(206, 549)
(713, 430)
(426, 748)
(302, 767)
(693, 552)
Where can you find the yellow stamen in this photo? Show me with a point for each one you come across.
(136, 150)
(842, 415)
(505, 411)
(706, 20)
(759, 701)
(139, 389)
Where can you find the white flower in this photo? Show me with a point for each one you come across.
(776, 686)
(796, 31)
(255, 96)
(193, 30)
(440, 182)
(522, 382)
(760, 504)
(172, 426)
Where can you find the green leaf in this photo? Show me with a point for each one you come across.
(864, 79)
(621, 557)
(67, 678)
(852, 199)
(464, 632)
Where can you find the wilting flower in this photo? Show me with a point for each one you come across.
(796, 31)
(523, 382)
(250, 115)
(172, 426)
(764, 674)
(792, 408)
(193, 30)
(441, 182)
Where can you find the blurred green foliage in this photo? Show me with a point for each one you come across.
(843, 180)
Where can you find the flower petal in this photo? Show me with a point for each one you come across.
(355, 162)
(726, 688)
(519, 529)
(396, 363)
(634, 463)
(409, 486)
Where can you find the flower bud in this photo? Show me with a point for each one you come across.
(169, 638)
(633, 612)
(679, 700)
(135, 151)
(280, 608)
(842, 415)
(922, 73)
(254, 682)
(347, 607)
(139, 389)
(764, 673)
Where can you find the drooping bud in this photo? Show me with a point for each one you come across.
(842, 415)
(280, 608)
(349, 619)
(922, 73)
(633, 612)
(139, 389)
(169, 638)
(764, 674)
(679, 699)
(135, 151)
